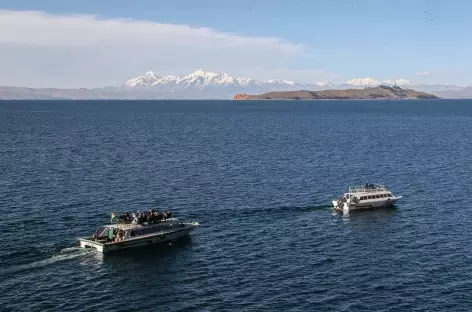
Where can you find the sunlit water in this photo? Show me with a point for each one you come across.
(259, 177)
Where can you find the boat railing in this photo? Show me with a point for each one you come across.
(122, 225)
(368, 189)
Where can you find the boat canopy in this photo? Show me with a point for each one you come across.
(368, 188)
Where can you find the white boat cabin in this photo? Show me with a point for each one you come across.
(367, 193)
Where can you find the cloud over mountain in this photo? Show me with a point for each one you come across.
(40, 49)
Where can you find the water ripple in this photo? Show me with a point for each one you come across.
(259, 179)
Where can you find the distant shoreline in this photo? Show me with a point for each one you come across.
(115, 93)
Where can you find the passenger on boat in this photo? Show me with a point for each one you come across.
(125, 218)
(159, 216)
(95, 235)
(152, 216)
(119, 236)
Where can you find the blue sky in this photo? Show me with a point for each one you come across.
(341, 40)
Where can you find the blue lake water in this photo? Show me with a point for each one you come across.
(259, 177)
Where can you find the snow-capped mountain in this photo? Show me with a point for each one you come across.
(201, 84)
(149, 79)
(436, 89)
(363, 82)
(210, 84)
(324, 84)
(371, 82)
(199, 79)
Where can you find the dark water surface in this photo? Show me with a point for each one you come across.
(259, 177)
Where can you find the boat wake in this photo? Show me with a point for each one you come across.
(284, 209)
(299, 209)
(313, 208)
(52, 258)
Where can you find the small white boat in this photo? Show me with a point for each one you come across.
(365, 197)
(121, 236)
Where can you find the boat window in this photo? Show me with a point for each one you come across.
(133, 233)
(108, 232)
(363, 198)
(101, 232)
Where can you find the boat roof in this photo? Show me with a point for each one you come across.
(369, 188)
(124, 226)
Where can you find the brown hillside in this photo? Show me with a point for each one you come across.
(380, 92)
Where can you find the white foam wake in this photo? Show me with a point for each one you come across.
(63, 255)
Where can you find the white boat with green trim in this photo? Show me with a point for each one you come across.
(121, 236)
(368, 196)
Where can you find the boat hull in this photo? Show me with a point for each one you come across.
(141, 241)
(367, 205)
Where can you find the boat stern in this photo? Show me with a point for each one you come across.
(192, 226)
(395, 199)
(88, 243)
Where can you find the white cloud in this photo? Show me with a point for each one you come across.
(39, 49)
(423, 73)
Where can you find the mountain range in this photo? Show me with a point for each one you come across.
(210, 85)
(201, 84)
(222, 84)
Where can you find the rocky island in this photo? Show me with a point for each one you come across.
(380, 92)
